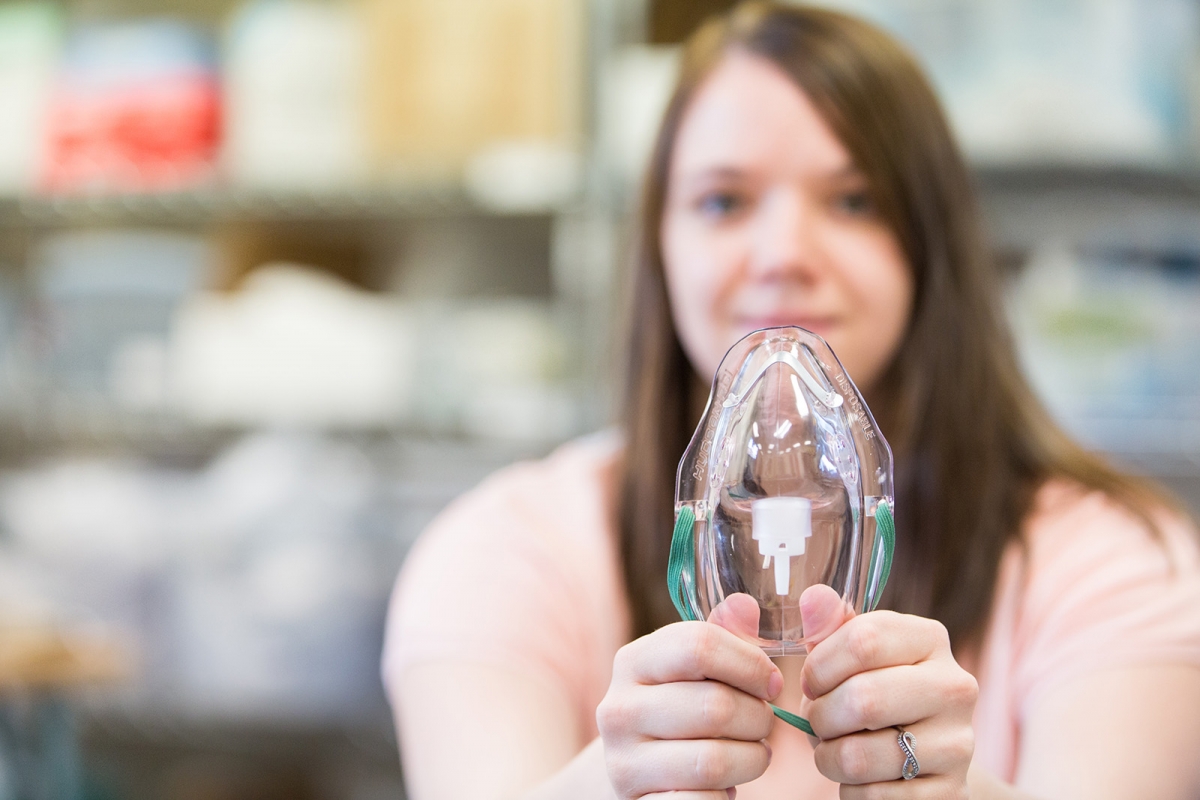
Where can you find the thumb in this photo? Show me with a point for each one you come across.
(738, 614)
(822, 612)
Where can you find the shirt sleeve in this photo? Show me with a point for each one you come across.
(1103, 591)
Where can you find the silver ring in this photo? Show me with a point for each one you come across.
(912, 767)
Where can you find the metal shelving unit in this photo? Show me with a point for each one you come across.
(1150, 208)
(213, 205)
(561, 255)
(1145, 216)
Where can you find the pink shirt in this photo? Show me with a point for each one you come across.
(523, 571)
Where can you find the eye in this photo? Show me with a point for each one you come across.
(856, 203)
(721, 204)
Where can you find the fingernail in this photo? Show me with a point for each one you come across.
(770, 752)
(731, 792)
(805, 604)
(805, 688)
(775, 685)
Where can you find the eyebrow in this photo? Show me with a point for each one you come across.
(849, 171)
(717, 172)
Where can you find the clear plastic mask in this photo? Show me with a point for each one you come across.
(784, 477)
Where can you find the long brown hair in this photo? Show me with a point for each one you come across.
(972, 444)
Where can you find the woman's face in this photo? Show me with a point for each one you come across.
(768, 222)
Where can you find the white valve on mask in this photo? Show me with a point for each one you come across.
(780, 526)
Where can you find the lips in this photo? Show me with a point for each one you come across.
(818, 325)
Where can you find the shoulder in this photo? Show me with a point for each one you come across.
(583, 465)
(525, 562)
(520, 572)
(1088, 585)
(538, 497)
(1098, 585)
(1073, 528)
(534, 521)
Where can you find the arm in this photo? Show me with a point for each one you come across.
(1107, 735)
(686, 711)
(473, 730)
(1107, 685)
(1115, 733)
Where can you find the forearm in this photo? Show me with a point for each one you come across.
(585, 777)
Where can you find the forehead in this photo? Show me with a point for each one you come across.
(747, 113)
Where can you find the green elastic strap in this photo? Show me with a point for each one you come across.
(681, 576)
(682, 563)
(886, 527)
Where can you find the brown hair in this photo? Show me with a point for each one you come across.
(972, 444)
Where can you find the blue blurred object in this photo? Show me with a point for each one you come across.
(99, 292)
(39, 750)
(122, 54)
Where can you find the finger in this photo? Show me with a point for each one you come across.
(871, 641)
(881, 698)
(693, 765)
(876, 757)
(699, 710)
(696, 651)
(822, 612)
(716, 794)
(919, 788)
(739, 614)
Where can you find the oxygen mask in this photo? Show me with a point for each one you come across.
(787, 483)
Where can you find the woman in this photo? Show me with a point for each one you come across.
(1044, 632)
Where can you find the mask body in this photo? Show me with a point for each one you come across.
(784, 477)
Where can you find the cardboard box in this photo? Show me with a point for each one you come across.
(447, 78)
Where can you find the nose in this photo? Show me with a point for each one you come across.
(785, 244)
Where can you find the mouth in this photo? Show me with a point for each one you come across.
(818, 325)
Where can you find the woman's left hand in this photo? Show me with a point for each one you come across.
(877, 671)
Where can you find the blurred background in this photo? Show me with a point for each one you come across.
(279, 279)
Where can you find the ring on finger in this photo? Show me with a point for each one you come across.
(908, 742)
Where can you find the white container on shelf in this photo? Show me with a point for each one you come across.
(293, 347)
(636, 86)
(252, 588)
(1074, 81)
(496, 370)
(294, 88)
(523, 176)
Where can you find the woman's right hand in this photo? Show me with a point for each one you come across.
(687, 710)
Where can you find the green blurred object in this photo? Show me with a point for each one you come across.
(39, 751)
(1098, 325)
